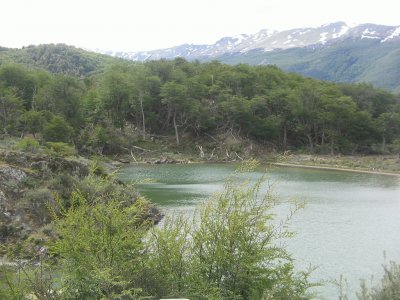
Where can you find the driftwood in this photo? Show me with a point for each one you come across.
(201, 151)
(141, 149)
(212, 154)
(133, 157)
(211, 137)
(238, 156)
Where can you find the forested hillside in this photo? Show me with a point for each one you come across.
(57, 58)
(192, 101)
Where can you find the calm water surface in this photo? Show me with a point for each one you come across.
(349, 220)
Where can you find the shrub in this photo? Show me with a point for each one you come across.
(60, 148)
(389, 287)
(101, 248)
(57, 130)
(229, 251)
(28, 144)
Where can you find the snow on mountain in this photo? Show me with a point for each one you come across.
(268, 40)
(393, 35)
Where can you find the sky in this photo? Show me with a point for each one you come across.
(130, 25)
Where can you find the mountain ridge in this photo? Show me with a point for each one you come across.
(268, 40)
(334, 52)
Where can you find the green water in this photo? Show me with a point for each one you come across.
(349, 221)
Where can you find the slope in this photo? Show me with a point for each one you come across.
(366, 60)
(58, 58)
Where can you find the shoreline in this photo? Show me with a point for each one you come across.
(378, 165)
(342, 169)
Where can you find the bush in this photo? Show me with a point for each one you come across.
(37, 201)
(60, 148)
(389, 287)
(229, 251)
(28, 144)
(101, 248)
(57, 130)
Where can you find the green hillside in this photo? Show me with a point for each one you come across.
(366, 60)
(57, 58)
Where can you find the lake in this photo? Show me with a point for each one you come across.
(349, 221)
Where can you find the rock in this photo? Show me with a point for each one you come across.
(2, 199)
(39, 165)
(8, 173)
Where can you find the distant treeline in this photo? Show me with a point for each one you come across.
(180, 98)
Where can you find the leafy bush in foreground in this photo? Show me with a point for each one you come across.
(229, 250)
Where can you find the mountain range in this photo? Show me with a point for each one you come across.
(335, 52)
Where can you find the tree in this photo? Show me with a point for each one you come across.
(32, 121)
(21, 80)
(57, 130)
(337, 115)
(116, 94)
(10, 107)
(62, 96)
(388, 124)
(174, 97)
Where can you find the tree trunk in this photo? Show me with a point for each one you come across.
(142, 110)
(310, 141)
(284, 137)
(332, 146)
(176, 129)
(383, 143)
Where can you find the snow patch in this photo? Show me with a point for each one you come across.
(342, 31)
(239, 38)
(263, 34)
(394, 34)
(367, 31)
(304, 32)
(324, 37)
(363, 36)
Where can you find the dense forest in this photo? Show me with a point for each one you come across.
(192, 100)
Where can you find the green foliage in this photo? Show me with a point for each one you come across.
(62, 96)
(107, 247)
(101, 247)
(32, 121)
(389, 287)
(20, 80)
(28, 144)
(58, 58)
(60, 148)
(57, 130)
(107, 112)
(229, 251)
(12, 284)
